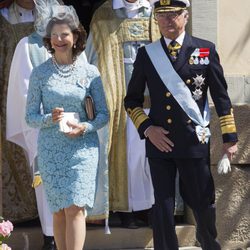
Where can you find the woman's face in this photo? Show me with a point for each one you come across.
(62, 39)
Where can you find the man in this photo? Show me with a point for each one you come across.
(178, 70)
(117, 30)
(18, 196)
(18, 11)
(5, 3)
(18, 199)
(85, 10)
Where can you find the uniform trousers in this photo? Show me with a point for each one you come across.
(197, 190)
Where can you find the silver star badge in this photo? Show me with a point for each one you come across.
(197, 94)
(198, 81)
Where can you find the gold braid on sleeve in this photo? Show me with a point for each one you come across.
(137, 115)
(227, 124)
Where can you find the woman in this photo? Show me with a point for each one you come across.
(67, 160)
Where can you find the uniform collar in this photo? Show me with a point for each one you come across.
(118, 4)
(179, 39)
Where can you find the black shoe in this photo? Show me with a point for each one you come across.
(49, 243)
(143, 218)
(128, 220)
(179, 219)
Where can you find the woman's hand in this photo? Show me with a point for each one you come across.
(77, 129)
(57, 114)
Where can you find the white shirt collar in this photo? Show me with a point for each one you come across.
(179, 39)
(16, 14)
(118, 4)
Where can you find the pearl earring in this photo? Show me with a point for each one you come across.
(74, 46)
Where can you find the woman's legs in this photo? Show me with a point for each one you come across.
(59, 226)
(75, 227)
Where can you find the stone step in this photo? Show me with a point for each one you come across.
(190, 248)
(30, 238)
(181, 248)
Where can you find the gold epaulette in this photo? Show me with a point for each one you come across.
(227, 124)
(137, 115)
(36, 181)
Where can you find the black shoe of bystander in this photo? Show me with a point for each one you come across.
(49, 243)
(128, 220)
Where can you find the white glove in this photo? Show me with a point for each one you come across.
(224, 165)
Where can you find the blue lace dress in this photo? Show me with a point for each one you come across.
(68, 166)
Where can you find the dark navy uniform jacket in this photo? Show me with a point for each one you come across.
(166, 112)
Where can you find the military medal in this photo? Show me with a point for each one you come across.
(201, 56)
(196, 61)
(204, 52)
(191, 60)
(196, 53)
(206, 61)
(199, 80)
(197, 94)
(194, 56)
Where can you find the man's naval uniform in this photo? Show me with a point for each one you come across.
(199, 68)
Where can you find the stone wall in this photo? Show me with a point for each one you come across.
(233, 189)
(233, 35)
(226, 23)
(232, 202)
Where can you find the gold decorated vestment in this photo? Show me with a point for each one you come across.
(18, 198)
(110, 32)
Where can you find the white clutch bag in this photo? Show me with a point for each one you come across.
(71, 117)
(224, 165)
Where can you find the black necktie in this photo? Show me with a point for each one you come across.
(174, 49)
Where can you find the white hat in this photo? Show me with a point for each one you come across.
(46, 10)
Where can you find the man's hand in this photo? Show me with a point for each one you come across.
(77, 129)
(230, 148)
(157, 135)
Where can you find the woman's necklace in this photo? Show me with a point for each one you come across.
(64, 71)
